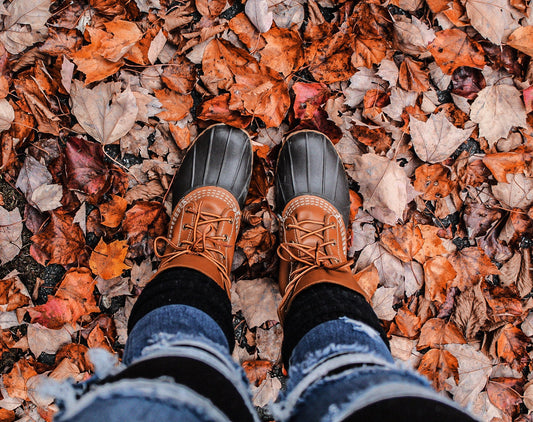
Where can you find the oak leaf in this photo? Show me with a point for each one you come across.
(384, 186)
(437, 138)
(452, 48)
(438, 365)
(497, 109)
(105, 112)
(107, 260)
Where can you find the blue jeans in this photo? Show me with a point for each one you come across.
(338, 368)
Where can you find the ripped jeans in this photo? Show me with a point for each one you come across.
(178, 368)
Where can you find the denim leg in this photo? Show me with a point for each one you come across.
(181, 337)
(342, 366)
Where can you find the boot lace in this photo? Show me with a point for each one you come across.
(204, 228)
(307, 256)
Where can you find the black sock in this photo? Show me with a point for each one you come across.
(321, 303)
(184, 286)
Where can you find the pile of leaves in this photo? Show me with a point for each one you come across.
(428, 103)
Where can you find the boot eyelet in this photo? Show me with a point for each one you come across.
(334, 243)
(230, 221)
(225, 238)
(184, 227)
(335, 260)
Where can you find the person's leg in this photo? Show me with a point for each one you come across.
(177, 354)
(340, 367)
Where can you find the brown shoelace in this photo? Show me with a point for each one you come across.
(310, 257)
(201, 243)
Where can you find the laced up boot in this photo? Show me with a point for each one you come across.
(208, 193)
(313, 197)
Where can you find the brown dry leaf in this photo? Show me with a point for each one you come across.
(472, 265)
(13, 294)
(42, 339)
(256, 370)
(98, 339)
(384, 186)
(142, 224)
(470, 312)
(283, 50)
(502, 163)
(107, 260)
(452, 48)
(438, 365)
(368, 280)
(437, 138)
(7, 415)
(376, 138)
(432, 245)
(412, 77)
(504, 302)
(176, 106)
(10, 234)
(522, 40)
(112, 212)
(16, 379)
(260, 291)
(437, 332)
(121, 36)
(516, 193)
(489, 17)
(497, 109)
(256, 244)
(179, 75)
(439, 274)
(7, 114)
(403, 242)
(217, 109)
(511, 346)
(408, 322)
(106, 112)
(60, 242)
(505, 394)
(433, 181)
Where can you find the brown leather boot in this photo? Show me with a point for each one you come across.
(313, 194)
(208, 193)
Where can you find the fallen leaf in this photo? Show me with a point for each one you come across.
(283, 50)
(497, 109)
(474, 371)
(7, 114)
(438, 365)
(267, 392)
(472, 265)
(490, 18)
(253, 292)
(105, 112)
(403, 242)
(521, 39)
(268, 343)
(436, 139)
(107, 260)
(439, 274)
(112, 212)
(175, 106)
(384, 187)
(42, 339)
(470, 312)
(502, 163)
(15, 380)
(437, 332)
(60, 242)
(367, 279)
(13, 294)
(382, 303)
(516, 193)
(433, 181)
(256, 370)
(452, 48)
(412, 77)
(10, 234)
(511, 346)
(505, 394)
(257, 12)
(179, 75)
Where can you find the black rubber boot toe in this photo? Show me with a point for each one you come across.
(308, 164)
(220, 156)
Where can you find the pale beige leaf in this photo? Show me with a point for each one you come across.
(388, 71)
(259, 299)
(474, 370)
(390, 269)
(7, 115)
(399, 99)
(67, 70)
(105, 112)
(363, 80)
(517, 193)
(267, 392)
(47, 197)
(10, 234)
(257, 12)
(382, 303)
(146, 5)
(489, 18)
(385, 188)
(268, 343)
(42, 339)
(497, 109)
(28, 12)
(528, 395)
(437, 138)
(156, 46)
